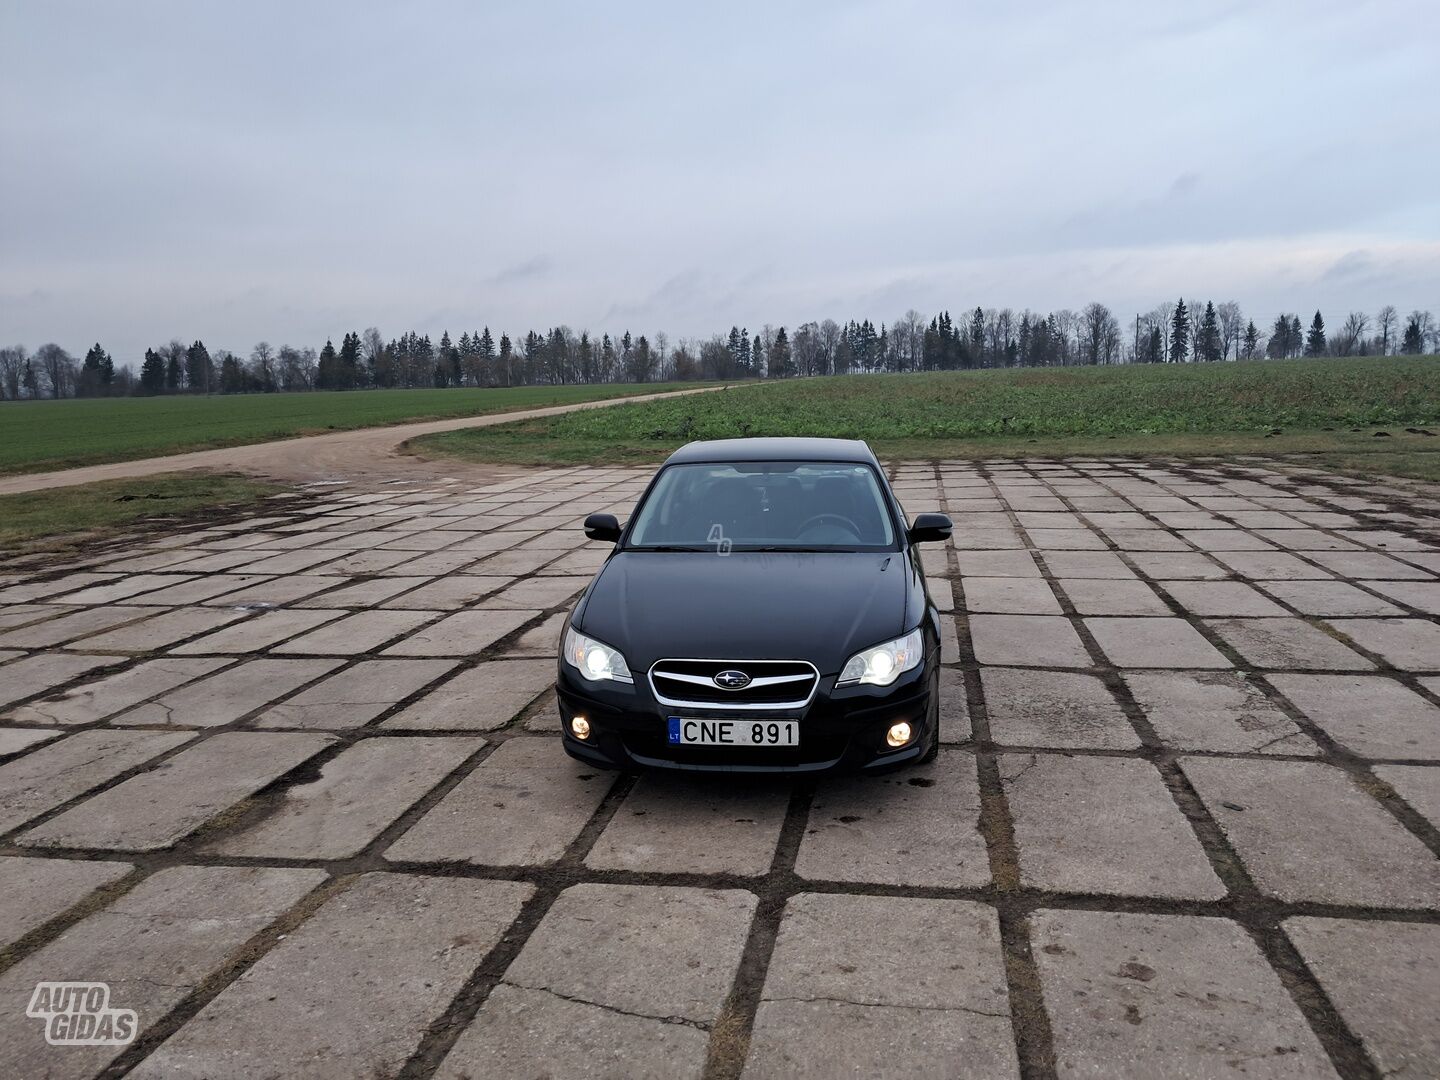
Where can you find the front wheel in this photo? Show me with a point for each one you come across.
(931, 754)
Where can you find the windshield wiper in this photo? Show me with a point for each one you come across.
(668, 547)
(795, 550)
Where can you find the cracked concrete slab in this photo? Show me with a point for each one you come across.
(34, 891)
(1223, 711)
(1384, 978)
(55, 773)
(1139, 996)
(411, 941)
(1305, 831)
(676, 825)
(355, 696)
(884, 986)
(153, 946)
(1054, 709)
(357, 795)
(225, 697)
(154, 809)
(1102, 825)
(93, 701)
(522, 806)
(639, 1000)
(916, 828)
(1369, 714)
(482, 698)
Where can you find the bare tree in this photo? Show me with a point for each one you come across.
(1066, 325)
(1232, 325)
(59, 369)
(804, 349)
(1164, 313)
(911, 341)
(1386, 321)
(12, 367)
(295, 368)
(262, 365)
(1099, 335)
(1004, 337)
(1351, 338)
(829, 345)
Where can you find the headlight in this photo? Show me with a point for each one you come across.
(594, 660)
(883, 664)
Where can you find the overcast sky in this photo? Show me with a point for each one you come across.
(291, 171)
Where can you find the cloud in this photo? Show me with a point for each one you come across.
(1349, 265)
(531, 268)
(1184, 184)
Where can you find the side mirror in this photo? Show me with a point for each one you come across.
(929, 528)
(605, 527)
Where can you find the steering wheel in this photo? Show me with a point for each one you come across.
(821, 519)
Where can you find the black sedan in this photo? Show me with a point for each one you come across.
(764, 610)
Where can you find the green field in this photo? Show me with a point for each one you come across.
(42, 435)
(1307, 406)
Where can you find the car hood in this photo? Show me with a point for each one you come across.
(822, 607)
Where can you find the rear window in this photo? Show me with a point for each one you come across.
(766, 505)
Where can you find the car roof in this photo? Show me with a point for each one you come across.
(774, 449)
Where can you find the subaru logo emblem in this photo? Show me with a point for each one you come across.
(732, 680)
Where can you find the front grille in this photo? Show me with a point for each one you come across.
(774, 684)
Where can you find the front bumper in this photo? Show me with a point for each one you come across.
(840, 730)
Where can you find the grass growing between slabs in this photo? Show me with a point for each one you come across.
(70, 517)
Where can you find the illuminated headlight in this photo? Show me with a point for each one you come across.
(885, 663)
(594, 660)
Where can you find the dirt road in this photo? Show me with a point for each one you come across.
(364, 454)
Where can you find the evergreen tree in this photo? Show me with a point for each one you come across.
(977, 337)
(152, 373)
(1412, 343)
(96, 374)
(778, 365)
(757, 357)
(30, 380)
(1207, 338)
(198, 367)
(1179, 333)
(326, 375)
(232, 374)
(347, 366)
(174, 373)
(506, 362)
(1252, 340)
(1315, 340)
(608, 357)
(485, 350)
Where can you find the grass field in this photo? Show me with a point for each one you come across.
(43, 435)
(82, 512)
(1296, 406)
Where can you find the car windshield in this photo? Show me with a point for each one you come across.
(765, 506)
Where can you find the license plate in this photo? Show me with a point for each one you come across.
(691, 731)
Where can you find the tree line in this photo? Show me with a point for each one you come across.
(1185, 331)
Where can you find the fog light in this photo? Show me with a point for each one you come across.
(899, 734)
(580, 727)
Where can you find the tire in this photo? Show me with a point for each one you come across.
(934, 751)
